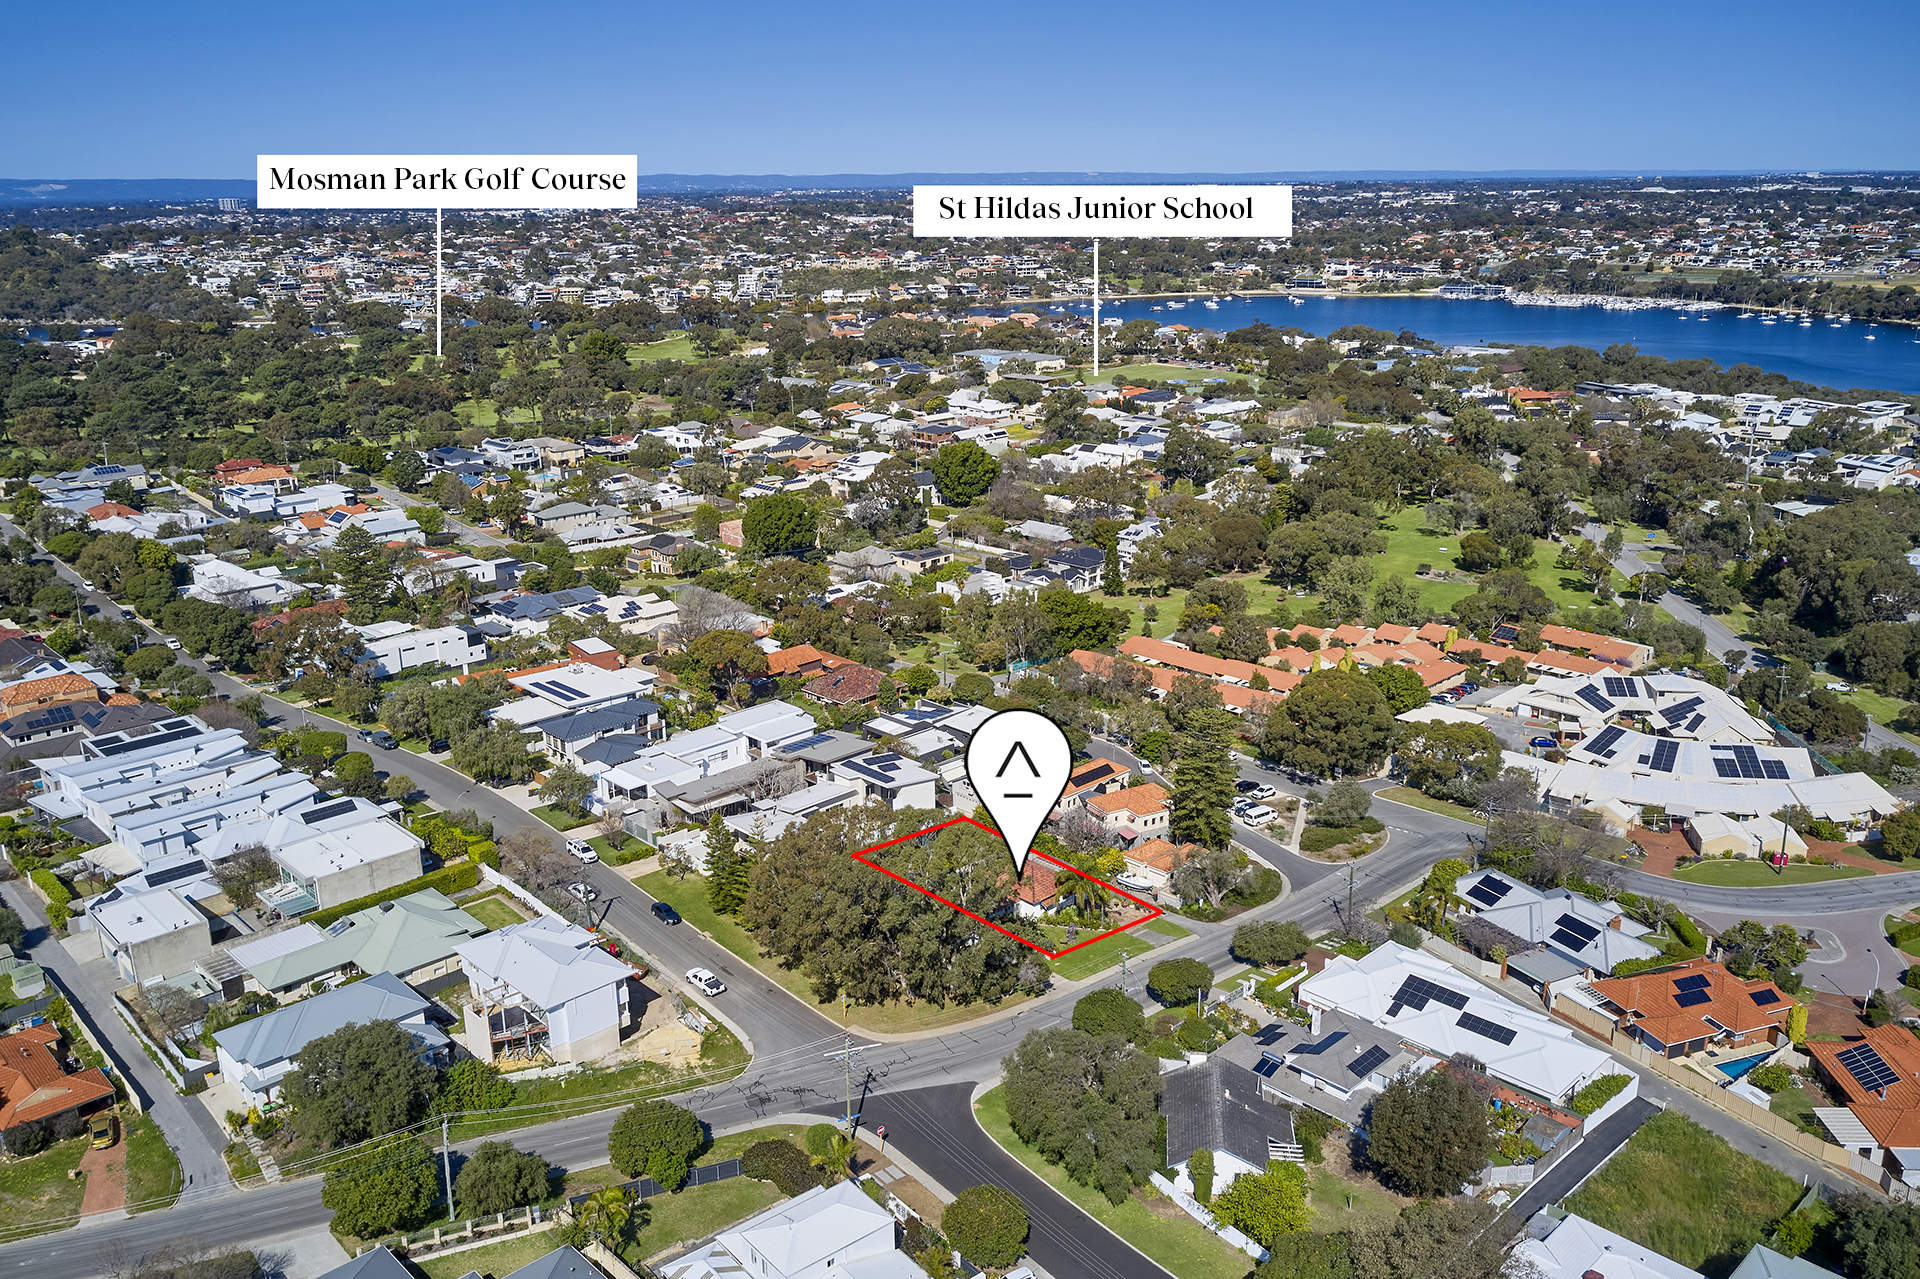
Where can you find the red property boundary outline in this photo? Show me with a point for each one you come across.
(861, 857)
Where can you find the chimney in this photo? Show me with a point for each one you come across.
(1614, 922)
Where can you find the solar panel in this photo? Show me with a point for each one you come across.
(1763, 997)
(1725, 767)
(141, 743)
(1618, 686)
(1664, 754)
(1868, 1068)
(1367, 1061)
(1698, 981)
(1603, 744)
(1578, 927)
(1418, 990)
(1591, 696)
(1697, 721)
(1270, 1034)
(1688, 998)
(1749, 760)
(186, 870)
(1488, 891)
(1561, 937)
(1775, 770)
(1266, 1066)
(568, 689)
(327, 811)
(1674, 714)
(1486, 1029)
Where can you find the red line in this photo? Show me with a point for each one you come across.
(1155, 911)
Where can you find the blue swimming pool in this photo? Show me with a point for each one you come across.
(1735, 1069)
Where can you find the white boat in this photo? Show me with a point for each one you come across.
(1873, 337)
(1769, 320)
(1298, 301)
(1211, 305)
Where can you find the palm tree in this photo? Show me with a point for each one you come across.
(839, 1157)
(606, 1213)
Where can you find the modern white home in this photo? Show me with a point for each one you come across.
(545, 984)
(827, 1231)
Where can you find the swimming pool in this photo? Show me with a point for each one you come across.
(1735, 1069)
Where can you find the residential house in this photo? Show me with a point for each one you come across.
(556, 452)
(562, 516)
(219, 582)
(256, 1056)
(565, 688)
(35, 1085)
(771, 818)
(823, 1232)
(1131, 814)
(1217, 1106)
(847, 684)
(564, 736)
(1095, 777)
(1595, 935)
(396, 646)
(869, 564)
(151, 935)
(925, 561)
(1876, 1078)
(1575, 1248)
(888, 779)
(546, 984)
(1679, 1010)
(415, 938)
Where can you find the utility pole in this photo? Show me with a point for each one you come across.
(1349, 919)
(845, 1054)
(446, 1166)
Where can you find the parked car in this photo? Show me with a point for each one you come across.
(665, 913)
(101, 1130)
(438, 745)
(1838, 686)
(584, 892)
(1264, 791)
(1544, 743)
(1469, 687)
(1243, 804)
(383, 739)
(1258, 815)
(1245, 787)
(705, 982)
(583, 850)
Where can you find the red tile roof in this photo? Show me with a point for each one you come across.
(33, 1084)
(1892, 1118)
(802, 659)
(1138, 800)
(31, 691)
(845, 684)
(1651, 1002)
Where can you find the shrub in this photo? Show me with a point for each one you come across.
(1597, 1094)
(1689, 935)
(1109, 1012)
(782, 1163)
(1320, 839)
(988, 1224)
(448, 879)
(27, 1138)
(655, 1138)
(1176, 981)
(498, 1178)
(1772, 1077)
(1310, 1129)
(1270, 942)
(324, 744)
(1793, 1234)
(820, 1139)
(1404, 933)
(1200, 1169)
(59, 896)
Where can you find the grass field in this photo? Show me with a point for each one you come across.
(1414, 799)
(1105, 953)
(1751, 874)
(494, 913)
(1181, 1245)
(1134, 374)
(1348, 1205)
(35, 1194)
(153, 1170)
(1166, 927)
(677, 347)
(1687, 1194)
(561, 818)
(492, 1261)
(689, 897)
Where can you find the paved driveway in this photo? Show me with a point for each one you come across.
(1564, 1176)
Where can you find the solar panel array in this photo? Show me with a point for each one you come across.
(1486, 1029)
(327, 811)
(186, 870)
(52, 717)
(1368, 1061)
(1679, 711)
(1591, 696)
(1665, 752)
(1603, 744)
(1688, 998)
(1745, 761)
(1698, 981)
(1620, 686)
(1763, 997)
(141, 743)
(1266, 1066)
(1416, 991)
(1868, 1068)
(1489, 891)
(1272, 1033)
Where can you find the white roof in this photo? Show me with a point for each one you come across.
(144, 916)
(1578, 1247)
(797, 1235)
(274, 945)
(1434, 713)
(547, 961)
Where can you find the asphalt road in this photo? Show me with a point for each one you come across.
(1561, 1178)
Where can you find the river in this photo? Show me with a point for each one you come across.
(1885, 357)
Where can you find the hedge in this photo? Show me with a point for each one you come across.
(448, 879)
(782, 1163)
(1905, 935)
(59, 896)
(1689, 935)
(1597, 1094)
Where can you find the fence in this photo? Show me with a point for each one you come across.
(154, 1050)
(489, 875)
(1512, 1175)
(1737, 1107)
(1193, 1208)
(647, 1187)
(98, 1043)
(1465, 961)
(477, 1232)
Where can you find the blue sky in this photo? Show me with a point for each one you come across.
(196, 90)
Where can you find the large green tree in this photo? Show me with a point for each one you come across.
(963, 471)
(988, 1224)
(1334, 721)
(1448, 761)
(780, 524)
(498, 1178)
(361, 1081)
(1203, 781)
(1079, 621)
(366, 577)
(1429, 1132)
(656, 1139)
(1265, 1205)
(1400, 685)
(391, 1186)
(1088, 1104)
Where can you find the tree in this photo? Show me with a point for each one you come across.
(1200, 1172)
(1189, 455)
(972, 688)
(918, 679)
(360, 1082)
(400, 787)
(361, 564)
(1400, 685)
(721, 657)
(472, 1086)
(1203, 781)
(1079, 622)
(1207, 876)
(1448, 761)
(1881, 1240)
(988, 1224)
(13, 931)
(1109, 1012)
(963, 471)
(1900, 834)
(652, 1137)
(1175, 982)
(242, 875)
(1343, 586)
(836, 1161)
(389, 1187)
(1335, 721)
(1270, 942)
(497, 1178)
(1263, 1206)
(1088, 1104)
(1396, 600)
(406, 470)
(566, 787)
(727, 868)
(497, 752)
(779, 524)
(607, 1213)
(1347, 804)
(1429, 1132)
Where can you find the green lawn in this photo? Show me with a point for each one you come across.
(493, 912)
(694, 1213)
(584, 1181)
(153, 1170)
(1181, 1245)
(689, 897)
(1347, 1205)
(1134, 374)
(561, 818)
(1089, 960)
(1745, 873)
(677, 347)
(35, 1194)
(1166, 927)
(494, 1260)
(1414, 799)
(1687, 1194)
(1913, 946)
(1883, 710)
(1794, 1106)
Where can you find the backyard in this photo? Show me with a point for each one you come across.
(1687, 1194)
(36, 1194)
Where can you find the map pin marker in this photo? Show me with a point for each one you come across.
(1017, 763)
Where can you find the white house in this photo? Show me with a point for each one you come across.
(823, 1233)
(148, 936)
(256, 1056)
(888, 779)
(1574, 1248)
(219, 582)
(545, 982)
(394, 647)
(1596, 935)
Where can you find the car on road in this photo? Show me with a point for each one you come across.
(583, 850)
(383, 739)
(705, 982)
(1838, 686)
(584, 892)
(1258, 815)
(173, 643)
(665, 913)
(1263, 791)
(101, 1131)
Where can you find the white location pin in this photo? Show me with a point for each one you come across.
(1018, 763)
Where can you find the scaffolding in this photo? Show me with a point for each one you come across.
(516, 1030)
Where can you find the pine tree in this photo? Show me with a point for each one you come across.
(1203, 782)
(1111, 582)
(726, 869)
(361, 564)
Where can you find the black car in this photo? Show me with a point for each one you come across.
(437, 745)
(665, 913)
(1244, 786)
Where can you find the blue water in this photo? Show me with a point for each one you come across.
(1843, 357)
(1731, 1069)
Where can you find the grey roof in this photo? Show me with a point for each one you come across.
(280, 1035)
(614, 748)
(539, 606)
(1764, 1263)
(1217, 1106)
(827, 748)
(1545, 965)
(377, 1264)
(562, 1263)
(601, 721)
(1079, 557)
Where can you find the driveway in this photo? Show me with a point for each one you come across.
(1564, 1176)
